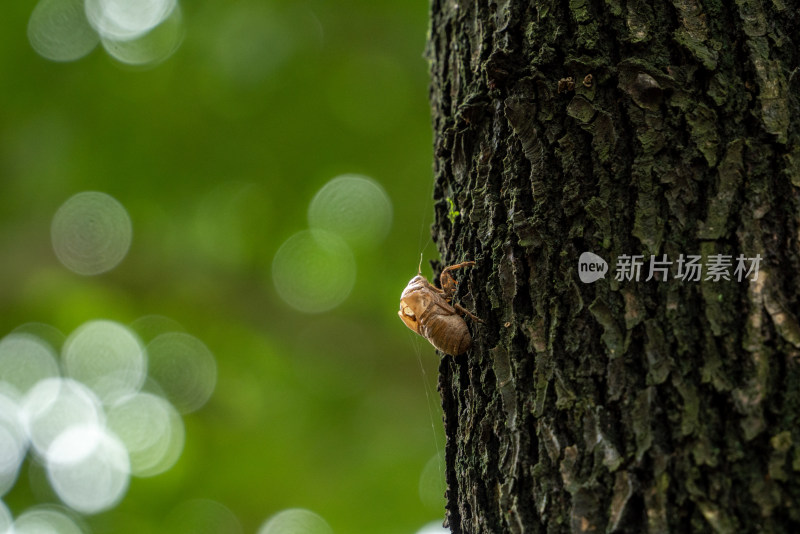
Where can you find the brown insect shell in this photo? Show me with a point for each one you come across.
(425, 311)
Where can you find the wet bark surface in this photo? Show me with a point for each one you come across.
(620, 128)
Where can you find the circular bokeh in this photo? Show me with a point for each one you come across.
(314, 271)
(91, 233)
(354, 207)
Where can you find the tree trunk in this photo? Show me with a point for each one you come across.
(659, 128)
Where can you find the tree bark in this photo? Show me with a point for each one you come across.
(653, 406)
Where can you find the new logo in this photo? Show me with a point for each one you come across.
(591, 267)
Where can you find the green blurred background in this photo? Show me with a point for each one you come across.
(215, 153)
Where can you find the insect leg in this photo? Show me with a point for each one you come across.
(465, 311)
(447, 281)
(458, 266)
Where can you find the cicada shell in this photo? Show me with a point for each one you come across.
(427, 310)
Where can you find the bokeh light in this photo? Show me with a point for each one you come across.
(107, 357)
(55, 404)
(44, 333)
(202, 235)
(434, 527)
(12, 452)
(24, 361)
(184, 368)
(314, 271)
(59, 31)
(88, 467)
(5, 519)
(432, 484)
(13, 444)
(151, 430)
(148, 327)
(144, 32)
(124, 19)
(45, 520)
(91, 233)
(94, 428)
(296, 521)
(355, 207)
(150, 48)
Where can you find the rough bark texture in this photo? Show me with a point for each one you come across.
(620, 406)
